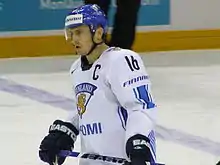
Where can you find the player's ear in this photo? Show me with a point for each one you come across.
(98, 35)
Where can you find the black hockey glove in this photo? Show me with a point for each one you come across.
(62, 136)
(137, 149)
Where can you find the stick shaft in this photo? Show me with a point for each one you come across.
(91, 156)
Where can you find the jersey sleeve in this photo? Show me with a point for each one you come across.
(130, 83)
(73, 116)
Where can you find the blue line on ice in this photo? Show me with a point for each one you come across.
(191, 141)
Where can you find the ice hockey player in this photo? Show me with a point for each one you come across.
(114, 113)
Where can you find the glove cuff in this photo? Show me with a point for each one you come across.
(137, 146)
(64, 127)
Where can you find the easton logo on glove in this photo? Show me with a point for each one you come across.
(138, 143)
(64, 129)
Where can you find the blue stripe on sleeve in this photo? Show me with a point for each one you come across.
(143, 94)
(123, 114)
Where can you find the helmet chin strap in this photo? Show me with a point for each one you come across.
(94, 45)
(85, 63)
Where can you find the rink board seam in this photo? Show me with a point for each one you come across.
(54, 45)
(57, 101)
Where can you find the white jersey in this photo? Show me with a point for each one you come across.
(113, 102)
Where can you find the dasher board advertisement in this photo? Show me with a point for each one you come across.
(31, 15)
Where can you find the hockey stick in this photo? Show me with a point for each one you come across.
(92, 156)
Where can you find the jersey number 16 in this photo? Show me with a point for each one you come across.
(132, 63)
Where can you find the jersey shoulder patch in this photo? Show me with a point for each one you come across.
(119, 54)
(113, 49)
(116, 49)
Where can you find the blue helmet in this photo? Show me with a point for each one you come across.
(90, 15)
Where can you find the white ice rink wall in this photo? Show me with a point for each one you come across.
(162, 25)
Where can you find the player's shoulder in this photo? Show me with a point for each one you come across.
(75, 65)
(116, 54)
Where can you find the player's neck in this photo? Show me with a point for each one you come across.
(96, 53)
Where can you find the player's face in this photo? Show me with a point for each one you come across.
(81, 38)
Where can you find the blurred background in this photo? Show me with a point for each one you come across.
(179, 41)
(162, 25)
